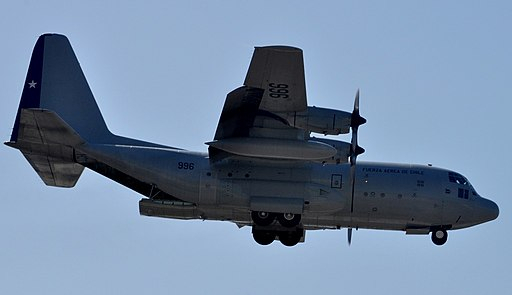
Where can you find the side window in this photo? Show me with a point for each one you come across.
(463, 193)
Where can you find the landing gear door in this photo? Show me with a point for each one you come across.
(277, 204)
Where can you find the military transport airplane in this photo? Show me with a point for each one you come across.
(263, 168)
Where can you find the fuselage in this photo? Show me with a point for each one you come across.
(387, 195)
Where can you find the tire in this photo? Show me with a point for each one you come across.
(290, 239)
(263, 237)
(262, 218)
(439, 236)
(289, 219)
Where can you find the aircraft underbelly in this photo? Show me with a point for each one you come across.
(396, 212)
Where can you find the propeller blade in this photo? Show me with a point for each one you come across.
(356, 101)
(349, 235)
(356, 120)
(355, 149)
(352, 183)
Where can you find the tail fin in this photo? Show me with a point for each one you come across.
(56, 82)
(57, 112)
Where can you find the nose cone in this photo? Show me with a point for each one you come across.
(487, 210)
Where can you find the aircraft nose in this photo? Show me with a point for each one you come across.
(488, 210)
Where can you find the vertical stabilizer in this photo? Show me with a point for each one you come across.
(56, 82)
(58, 114)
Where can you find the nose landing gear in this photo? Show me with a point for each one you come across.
(439, 236)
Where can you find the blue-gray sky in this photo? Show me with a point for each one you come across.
(435, 82)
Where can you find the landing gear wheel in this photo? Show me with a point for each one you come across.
(262, 218)
(290, 239)
(289, 219)
(439, 236)
(263, 237)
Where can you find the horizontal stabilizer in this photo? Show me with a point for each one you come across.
(55, 171)
(42, 126)
(47, 143)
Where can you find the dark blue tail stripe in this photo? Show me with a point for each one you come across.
(31, 96)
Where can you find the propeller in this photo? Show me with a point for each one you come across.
(355, 121)
(355, 150)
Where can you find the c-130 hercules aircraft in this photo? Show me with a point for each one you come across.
(263, 168)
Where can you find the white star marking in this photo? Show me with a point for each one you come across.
(32, 84)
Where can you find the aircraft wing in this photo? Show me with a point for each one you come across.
(279, 71)
(260, 118)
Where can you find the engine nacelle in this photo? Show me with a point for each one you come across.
(342, 150)
(321, 120)
(328, 121)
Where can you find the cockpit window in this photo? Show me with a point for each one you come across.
(457, 178)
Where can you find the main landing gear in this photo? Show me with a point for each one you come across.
(286, 230)
(289, 219)
(439, 236)
(263, 218)
(267, 218)
(263, 237)
(288, 237)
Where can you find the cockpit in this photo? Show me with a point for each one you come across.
(464, 187)
(457, 178)
(465, 205)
